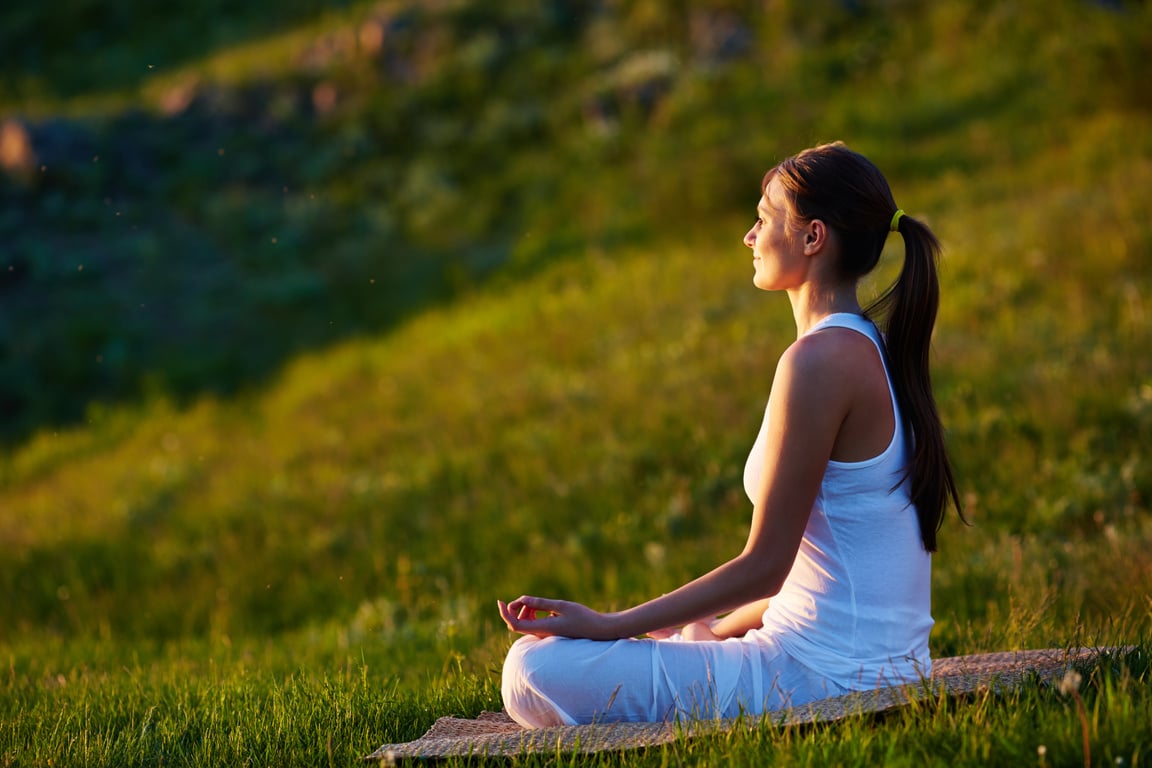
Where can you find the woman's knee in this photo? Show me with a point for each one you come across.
(525, 682)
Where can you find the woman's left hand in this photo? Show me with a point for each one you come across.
(544, 618)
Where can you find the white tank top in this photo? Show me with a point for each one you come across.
(856, 606)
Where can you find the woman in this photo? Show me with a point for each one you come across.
(848, 478)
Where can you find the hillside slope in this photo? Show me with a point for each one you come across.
(577, 423)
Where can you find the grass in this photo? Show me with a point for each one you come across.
(234, 708)
(204, 705)
(297, 570)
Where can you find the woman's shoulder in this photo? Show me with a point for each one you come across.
(833, 365)
(822, 370)
(831, 349)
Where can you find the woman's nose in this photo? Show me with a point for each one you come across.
(750, 238)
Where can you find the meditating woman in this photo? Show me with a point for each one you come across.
(848, 478)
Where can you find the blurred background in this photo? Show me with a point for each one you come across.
(316, 316)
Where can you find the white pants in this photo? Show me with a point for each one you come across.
(561, 681)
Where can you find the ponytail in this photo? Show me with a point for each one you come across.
(909, 308)
(845, 190)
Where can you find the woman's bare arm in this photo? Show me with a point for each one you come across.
(742, 620)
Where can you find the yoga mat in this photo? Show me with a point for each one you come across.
(496, 734)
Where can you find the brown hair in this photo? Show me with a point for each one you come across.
(848, 193)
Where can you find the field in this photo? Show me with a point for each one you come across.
(463, 312)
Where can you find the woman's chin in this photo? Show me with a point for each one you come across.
(761, 283)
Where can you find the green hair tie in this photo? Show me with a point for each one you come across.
(894, 225)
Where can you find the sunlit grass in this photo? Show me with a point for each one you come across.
(212, 704)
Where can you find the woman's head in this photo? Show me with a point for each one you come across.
(847, 192)
(844, 190)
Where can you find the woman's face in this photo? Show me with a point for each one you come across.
(778, 261)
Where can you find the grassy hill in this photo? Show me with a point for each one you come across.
(442, 304)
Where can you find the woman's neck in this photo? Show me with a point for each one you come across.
(812, 303)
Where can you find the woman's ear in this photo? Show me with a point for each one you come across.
(815, 237)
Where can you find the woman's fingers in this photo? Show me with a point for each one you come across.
(529, 608)
(511, 616)
(537, 604)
